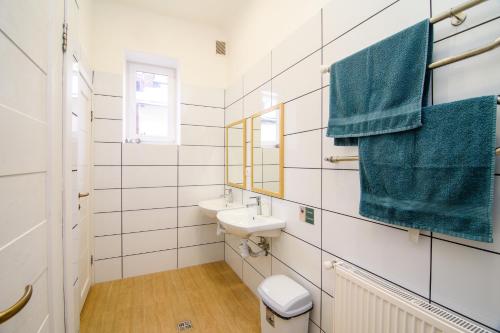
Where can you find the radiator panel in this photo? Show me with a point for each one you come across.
(364, 303)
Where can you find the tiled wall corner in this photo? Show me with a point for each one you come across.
(452, 272)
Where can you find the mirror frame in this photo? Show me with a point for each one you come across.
(281, 192)
(244, 123)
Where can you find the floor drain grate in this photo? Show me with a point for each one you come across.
(184, 325)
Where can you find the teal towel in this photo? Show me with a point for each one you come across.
(438, 177)
(381, 89)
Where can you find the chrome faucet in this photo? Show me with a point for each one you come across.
(229, 196)
(258, 203)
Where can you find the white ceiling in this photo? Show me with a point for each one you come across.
(218, 13)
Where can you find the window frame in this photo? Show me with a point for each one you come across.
(131, 111)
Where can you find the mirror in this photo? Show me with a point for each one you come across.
(267, 152)
(236, 154)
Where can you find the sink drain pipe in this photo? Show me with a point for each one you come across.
(246, 251)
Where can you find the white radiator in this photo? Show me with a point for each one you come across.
(364, 303)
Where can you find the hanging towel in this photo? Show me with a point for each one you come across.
(438, 177)
(381, 89)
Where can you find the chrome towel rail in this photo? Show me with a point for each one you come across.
(335, 159)
(454, 12)
(452, 59)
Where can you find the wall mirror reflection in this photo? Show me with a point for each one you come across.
(236, 154)
(267, 154)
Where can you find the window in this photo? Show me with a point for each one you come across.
(151, 103)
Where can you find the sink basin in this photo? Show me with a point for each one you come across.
(212, 207)
(244, 223)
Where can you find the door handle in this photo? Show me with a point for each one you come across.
(83, 194)
(18, 306)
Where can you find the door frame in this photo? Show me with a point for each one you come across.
(54, 167)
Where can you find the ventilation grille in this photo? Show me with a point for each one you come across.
(463, 324)
(220, 47)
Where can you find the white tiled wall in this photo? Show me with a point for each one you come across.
(139, 227)
(459, 274)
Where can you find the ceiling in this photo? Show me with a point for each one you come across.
(218, 13)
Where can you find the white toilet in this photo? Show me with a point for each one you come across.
(284, 306)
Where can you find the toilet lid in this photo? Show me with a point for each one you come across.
(284, 296)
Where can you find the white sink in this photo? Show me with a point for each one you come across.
(212, 207)
(244, 223)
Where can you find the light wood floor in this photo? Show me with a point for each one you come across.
(211, 296)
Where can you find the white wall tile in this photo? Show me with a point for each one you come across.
(107, 223)
(304, 258)
(149, 176)
(289, 212)
(106, 201)
(198, 155)
(327, 309)
(234, 92)
(107, 270)
(298, 80)
(480, 72)
(234, 260)
(303, 114)
(303, 150)
(106, 130)
(258, 74)
(201, 175)
(201, 254)
(107, 84)
(207, 96)
(144, 198)
(107, 247)
(234, 112)
(203, 136)
(149, 241)
(397, 17)
(150, 219)
(107, 153)
(341, 191)
(202, 115)
(315, 292)
(149, 263)
(302, 42)
(149, 154)
(109, 107)
(190, 216)
(107, 177)
(251, 278)
(258, 100)
(303, 186)
(383, 250)
(196, 235)
(341, 16)
(466, 280)
(192, 195)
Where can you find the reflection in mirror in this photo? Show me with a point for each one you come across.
(267, 151)
(236, 154)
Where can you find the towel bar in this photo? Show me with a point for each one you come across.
(449, 60)
(335, 159)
